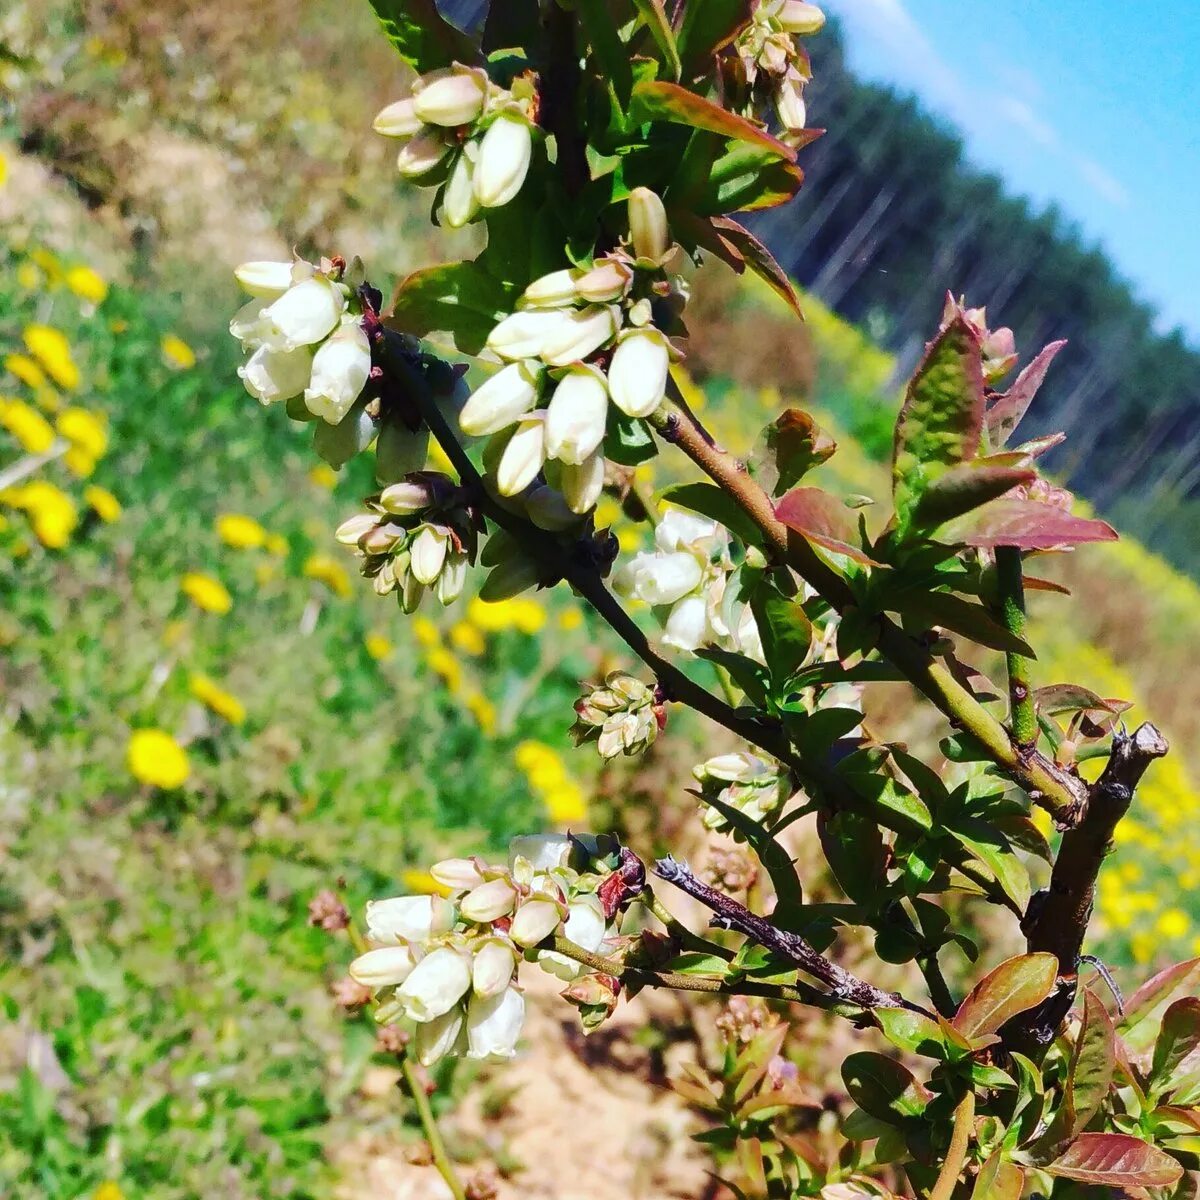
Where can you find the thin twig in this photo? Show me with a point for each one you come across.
(1022, 716)
(956, 1155)
(433, 1135)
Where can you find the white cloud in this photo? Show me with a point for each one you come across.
(1102, 181)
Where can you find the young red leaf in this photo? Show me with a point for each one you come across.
(1013, 987)
(1093, 1061)
(759, 259)
(1006, 411)
(822, 518)
(787, 450)
(1178, 1038)
(1159, 990)
(1116, 1160)
(963, 488)
(999, 1180)
(1025, 524)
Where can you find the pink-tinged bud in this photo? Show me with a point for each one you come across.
(428, 551)
(488, 902)
(382, 538)
(266, 280)
(648, 224)
(535, 921)
(523, 334)
(494, 1025)
(637, 376)
(608, 280)
(503, 399)
(504, 155)
(582, 485)
(440, 1037)
(457, 873)
(420, 155)
(450, 98)
(459, 202)
(523, 456)
(797, 17)
(437, 983)
(405, 498)
(493, 967)
(578, 335)
(790, 106)
(551, 291)
(576, 416)
(384, 967)
(353, 528)
(399, 119)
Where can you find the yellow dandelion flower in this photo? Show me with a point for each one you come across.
(425, 631)
(529, 754)
(206, 593)
(518, 613)
(85, 430)
(443, 663)
(25, 369)
(27, 425)
(51, 511)
(3, 170)
(483, 710)
(79, 462)
(416, 881)
(86, 284)
(565, 805)
(240, 532)
(324, 569)
(29, 278)
(108, 1191)
(546, 776)
(467, 638)
(378, 646)
(323, 475)
(176, 352)
(48, 262)
(1173, 923)
(570, 619)
(156, 758)
(276, 544)
(102, 502)
(52, 350)
(217, 699)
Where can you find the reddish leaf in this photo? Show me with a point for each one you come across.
(1116, 1160)
(942, 417)
(1006, 411)
(657, 100)
(1026, 524)
(759, 259)
(999, 1180)
(1093, 1061)
(1160, 989)
(1036, 447)
(1013, 987)
(966, 487)
(822, 518)
(787, 450)
(1182, 1121)
(1058, 698)
(1035, 584)
(1178, 1038)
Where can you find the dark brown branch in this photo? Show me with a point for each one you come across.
(730, 914)
(560, 96)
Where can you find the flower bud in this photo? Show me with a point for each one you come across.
(789, 105)
(586, 927)
(523, 456)
(353, 528)
(408, 918)
(382, 538)
(456, 873)
(659, 578)
(535, 920)
(583, 484)
(420, 155)
(551, 291)
(548, 509)
(271, 375)
(267, 280)
(384, 967)
(543, 851)
(687, 626)
(248, 326)
(579, 334)
(459, 203)
(450, 98)
(436, 984)
(398, 119)
(523, 334)
(637, 376)
(742, 781)
(648, 224)
(428, 552)
(412, 590)
(405, 498)
(504, 154)
(494, 1025)
(608, 280)
(306, 313)
(504, 398)
(442, 1036)
(453, 578)
(493, 967)
(576, 416)
(797, 17)
(489, 901)
(340, 369)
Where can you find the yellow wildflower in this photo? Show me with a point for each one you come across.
(102, 502)
(240, 532)
(79, 462)
(518, 613)
(443, 663)
(86, 284)
(108, 1191)
(52, 350)
(84, 430)
(483, 710)
(565, 805)
(51, 511)
(324, 569)
(47, 260)
(156, 758)
(421, 882)
(216, 699)
(3, 170)
(27, 425)
(378, 646)
(276, 544)
(29, 278)
(25, 369)
(1173, 923)
(323, 475)
(176, 352)
(206, 593)
(570, 619)
(425, 631)
(467, 638)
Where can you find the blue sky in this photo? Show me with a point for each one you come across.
(1092, 105)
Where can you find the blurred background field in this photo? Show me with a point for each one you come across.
(206, 718)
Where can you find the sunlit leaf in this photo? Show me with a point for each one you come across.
(1093, 1061)
(1005, 412)
(423, 37)
(883, 1088)
(707, 27)
(711, 501)
(454, 298)
(787, 450)
(1014, 987)
(1178, 1038)
(1116, 1160)
(999, 1180)
(1025, 524)
(963, 617)
(962, 488)
(819, 517)
(659, 100)
(652, 12)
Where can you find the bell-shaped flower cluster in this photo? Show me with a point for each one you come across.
(450, 965)
(773, 63)
(756, 788)
(624, 716)
(466, 135)
(415, 537)
(685, 580)
(580, 340)
(303, 332)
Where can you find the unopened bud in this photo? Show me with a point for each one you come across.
(428, 550)
(420, 155)
(399, 119)
(578, 335)
(503, 399)
(504, 155)
(637, 376)
(353, 528)
(385, 967)
(797, 17)
(535, 920)
(582, 485)
(266, 280)
(450, 98)
(551, 291)
(457, 873)
(648, 225)
(577, 416)
(608, 280)
(493, 967)
(524, 333)
(488, 902)
(523, 456)
(459, 202)
(436, 984)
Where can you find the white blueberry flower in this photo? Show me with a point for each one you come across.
(436, 984)
(789, 105)
(659, 578)
(505, 151)
(494, 1025)
(340, 369)
(384, 967)
(428, 550)
(503, 399)
(537, 917)
(523, 455)
(637, 376)
(582, 333)
(797, 17)
(608, 280)
(488, 901)
(408, 918)
(248, 325)
(459, 201)
(306, 313)
(266, 280)
(450, 98)
(582, 485)
(551, 291)
(271, 375)
(754, 787)
(441, 1036)
(453, 578)
(421, 154)
(399, 119)
(586, 927)
(524, 333)
(457, 873)
(493, 966)
(576, 416)
(687, 627)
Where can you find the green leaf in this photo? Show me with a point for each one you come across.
(941, 420)
(787, 450)
(711, 501)
(857, 856)
(510, 25)
(628, 440)
(774, 858)
(821, 518)
(825, 674)
(785, 630)
(1093, 1061)
(697, 963)
(652, 12)
(1178, 1037)
(744, 178)
(1015, 986)
(338, 444)
(707, 27)
(460, 299)
(658, 100)
(883, 1088)
(424, 38)
(989, 846)
(999, 1180)
(917, 1034)
(612, 55)
(899, 809)
(962, 488)
(749, 675)
(962, 617)
(1116, 1160)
